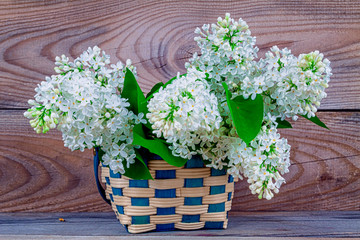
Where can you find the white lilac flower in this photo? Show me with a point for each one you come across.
(183, 111)
(227, 55)
(299, 83)
(84, 101)
(289, 86)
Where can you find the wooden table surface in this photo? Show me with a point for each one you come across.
(242, 225)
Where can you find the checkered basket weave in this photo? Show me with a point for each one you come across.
(186, 198)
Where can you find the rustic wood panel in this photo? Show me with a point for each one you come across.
(242, 225)
(38, 174)
(158, 37)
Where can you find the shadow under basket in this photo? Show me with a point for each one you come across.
(184, 198)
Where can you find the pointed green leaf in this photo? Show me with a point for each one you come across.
(246, 114)
(158, 147)
(316, 120)
(138, 170)
(167, 83)
(154, 89)
(133, 93)
(283, 123)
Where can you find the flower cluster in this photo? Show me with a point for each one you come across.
(289, 86)
(183, 112)
(203, 112)
(227, 55)
(83, 100)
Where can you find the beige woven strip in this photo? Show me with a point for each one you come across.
(216, 180)
(124, 219)
(213, 217)
(166, 202)
(140, 228)
(125, 177)
(193, 173)
(122, 200)
(225, 224)
(192, 192)
(216, 198)
(105, 171)
(108, 189)
(139, 210)
(191, 209)
(229, 187)
(103, 180)
(228, 205)
(119, 182)
(139, 192)
(152, 173)
(160, 219)
(189, 226)
(107, 195)
(161, 165)
(113, 206)
(166, 183)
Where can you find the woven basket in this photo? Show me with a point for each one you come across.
(186, 198)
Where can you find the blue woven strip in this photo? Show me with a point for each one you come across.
(111, 197)
(165, 227)
(195, 162)
(120, 209)
(217, 189)
(194, 182)
(117, 191)
(165, 211)
(190, 218)
(193, 201)
(140, 219)
(214, 225)
(229, 196)
(165, 174)
(216, 172)
(107, 179)
(217, 207)
(139, 183)
(231, 179)
(139, 201)
(114, 175)
(165, 193)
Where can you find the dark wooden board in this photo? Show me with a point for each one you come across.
(158, 37)
(260, 225)
(38, 174)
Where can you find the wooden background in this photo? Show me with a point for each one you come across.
(37, 174)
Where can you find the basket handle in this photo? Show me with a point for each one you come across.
(96, 172)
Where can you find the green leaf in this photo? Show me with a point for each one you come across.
(283, 123)
(133, 93)
(167, 83)
(138, 170)
(158, 147)
(316, 120)
(154, 89)
(246, 114)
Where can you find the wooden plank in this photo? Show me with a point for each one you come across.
(242, 225)
(39, 175)
(158, 37)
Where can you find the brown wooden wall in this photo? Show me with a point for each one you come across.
(38, 174)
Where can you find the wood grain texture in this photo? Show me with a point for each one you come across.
(38, 174)
(242, 225)
(158, 37)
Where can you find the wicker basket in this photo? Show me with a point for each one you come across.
(186, 198)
